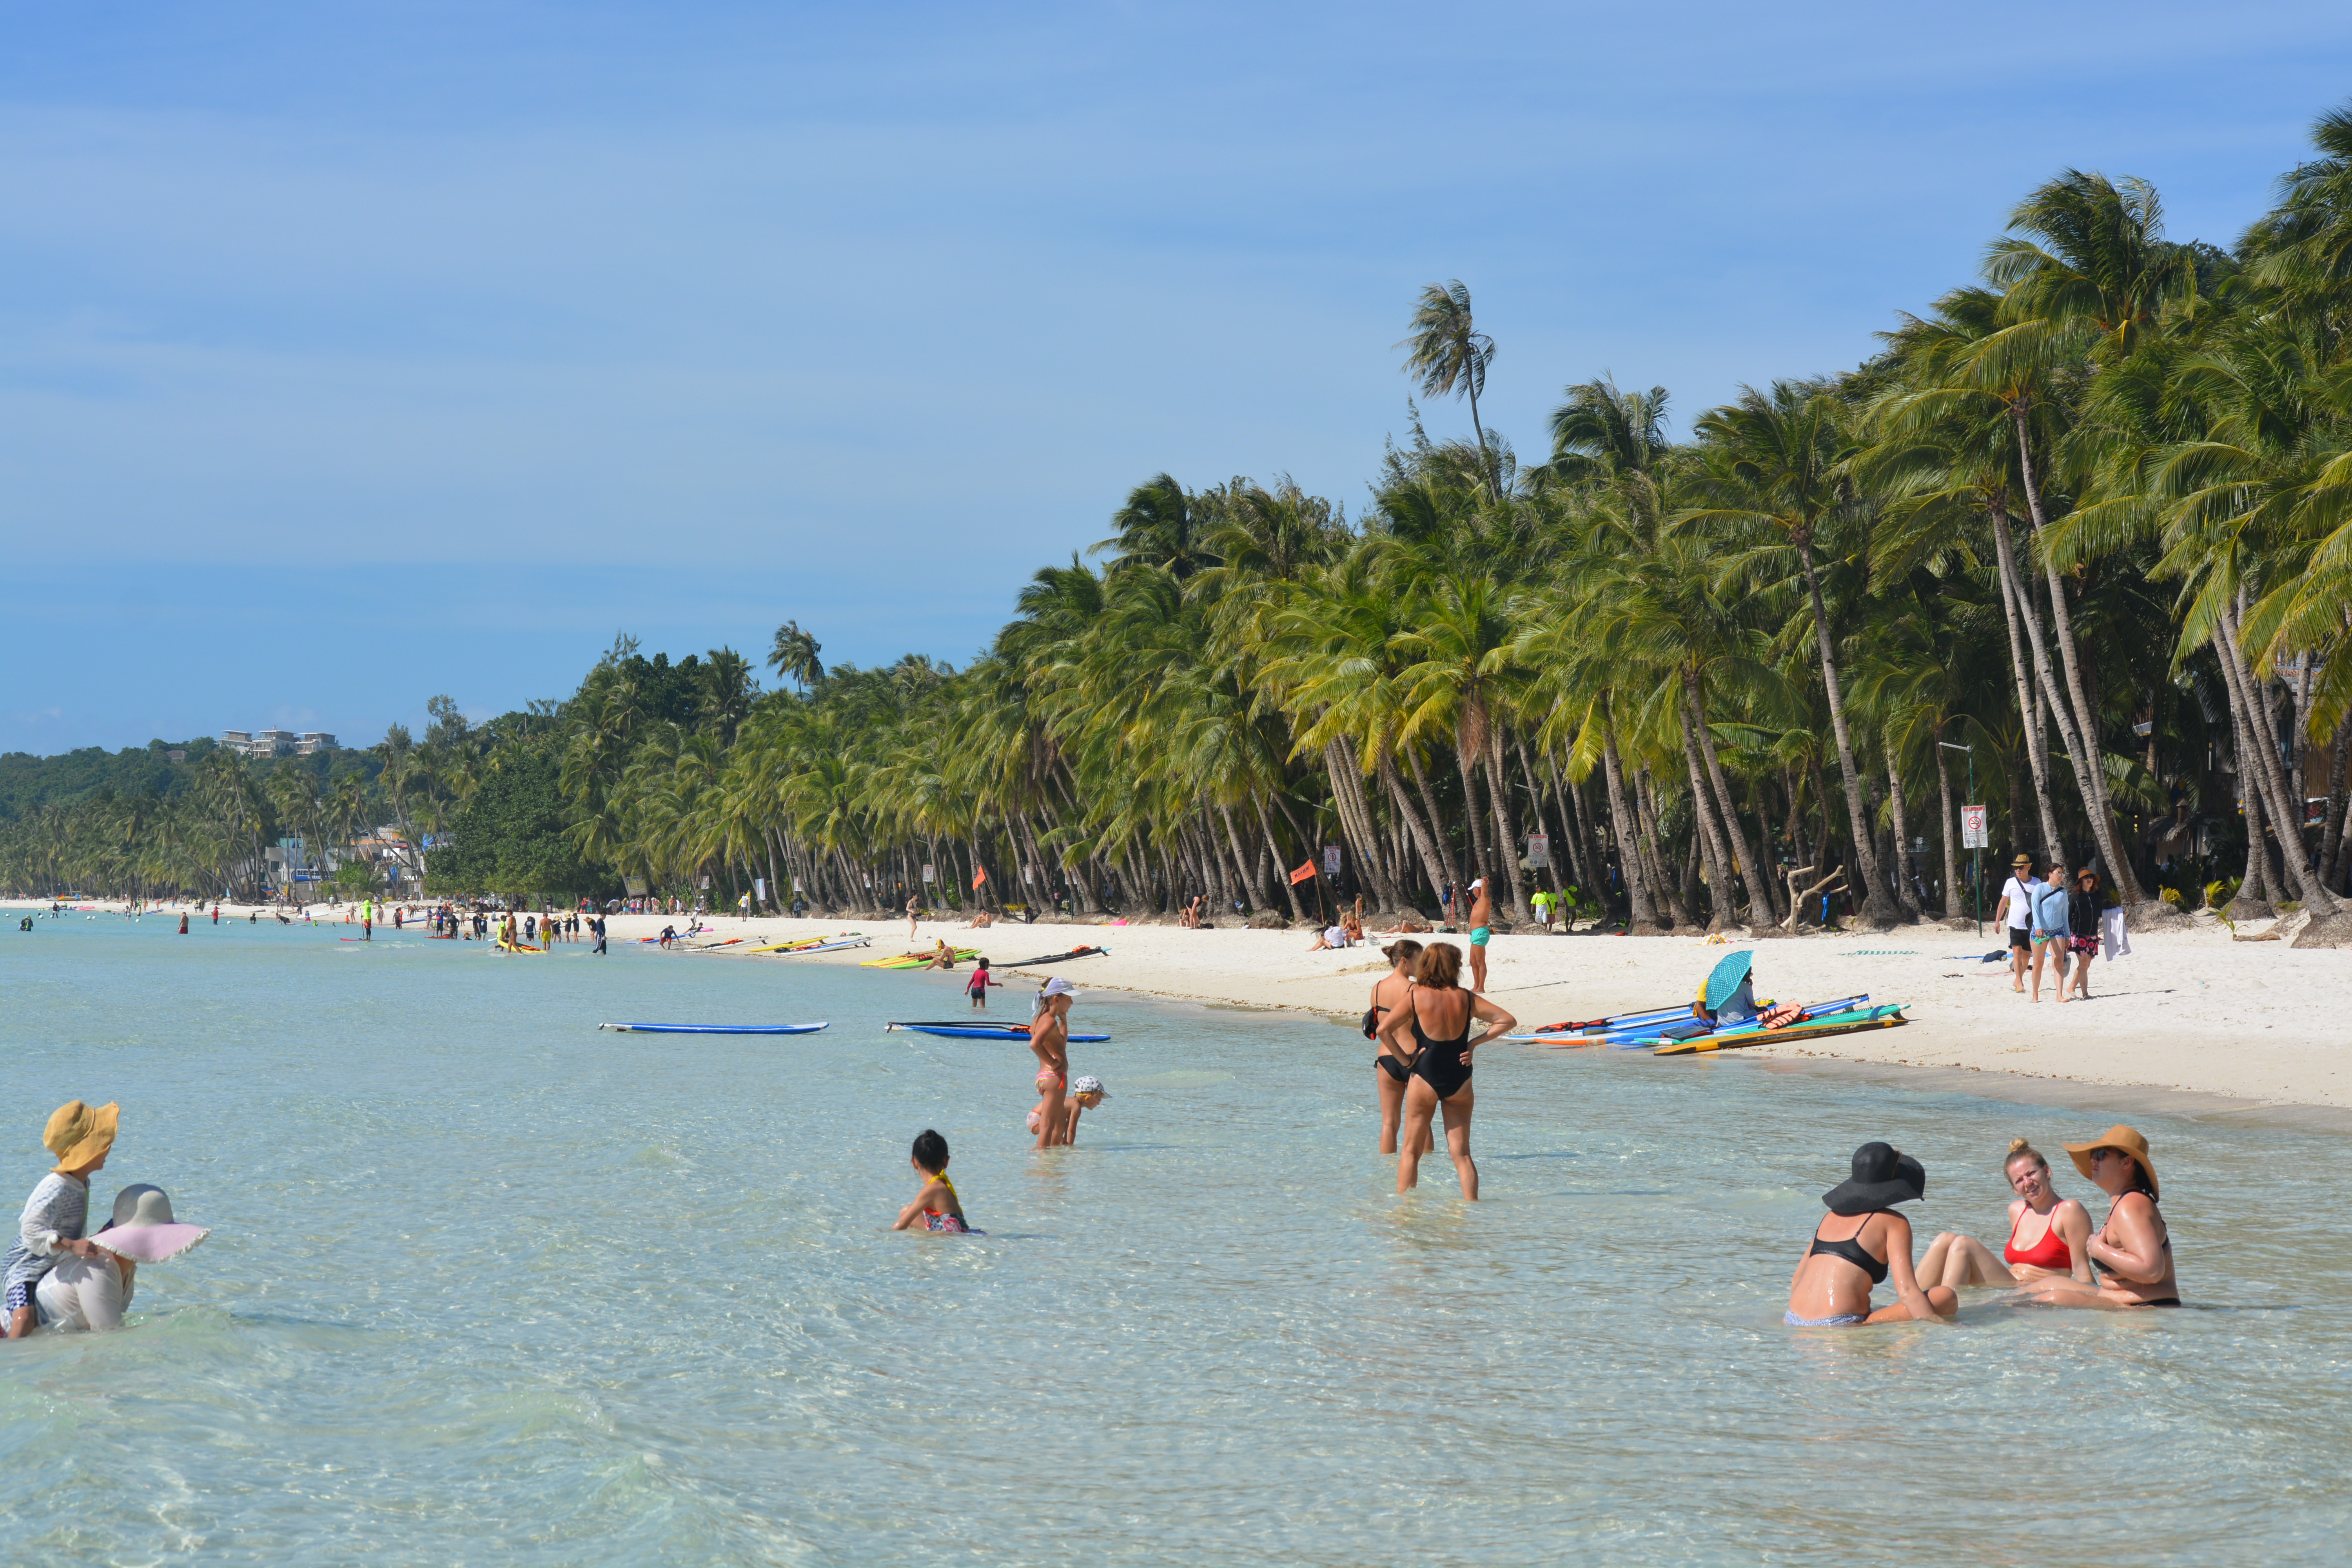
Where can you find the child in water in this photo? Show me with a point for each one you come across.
(978, 989)
(80, 1137)
(936, 1207)
(1084, 1095)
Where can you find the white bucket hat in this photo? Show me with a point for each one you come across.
(143, 1228)
(1089, 1084)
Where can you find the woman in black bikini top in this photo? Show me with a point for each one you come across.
(1391, 1073)
(1440, 1067)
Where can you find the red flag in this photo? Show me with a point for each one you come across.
(1302, 873)
(978, 875)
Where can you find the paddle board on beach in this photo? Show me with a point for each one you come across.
(1885, 1017)
(965, 1031)
(1055, 957)
(715, 1028)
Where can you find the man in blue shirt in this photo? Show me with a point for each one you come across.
(2050, 928)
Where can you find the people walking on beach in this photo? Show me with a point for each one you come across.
(2048, 1237)
(1439, 1014)
(913, 913)
(978, 989)
(1049, 1038)
(2082, 915)
(2015, 912)
(2132, 1250)
(50, 1230)
(936, 1207)
(1390, 1072)
(2050, 930)
(1482, 927)
(1832, 1286)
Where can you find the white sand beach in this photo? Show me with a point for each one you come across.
(2192, 1011)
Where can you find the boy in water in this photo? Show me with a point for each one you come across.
(936, 1207)
(52, 1228)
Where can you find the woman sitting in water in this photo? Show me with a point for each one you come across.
(2132, 1251)
(936, 1207)
(2048, 1236)
(1830, 1289)
(1437, 1012)
(1391, 1073)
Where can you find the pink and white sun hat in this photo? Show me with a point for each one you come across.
(143, 1228)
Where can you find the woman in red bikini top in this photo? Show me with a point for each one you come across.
(2048, 1237)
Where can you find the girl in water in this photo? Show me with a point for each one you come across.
(1389, 1073)
(1438, 1014)
(936, 1207)
(2048, 1236)
(1830, 1289)
(2132, 1251)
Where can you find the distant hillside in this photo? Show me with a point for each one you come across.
(28, 782)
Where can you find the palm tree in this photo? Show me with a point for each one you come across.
(1779, 459)
(1448, 356)
(793, 656)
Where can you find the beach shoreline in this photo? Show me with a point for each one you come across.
(2191, 1021)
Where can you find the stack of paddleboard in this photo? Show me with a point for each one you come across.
(981, 1030)
(836, 945)
(1645, 1030)
(805, 944)
(1812, 1026)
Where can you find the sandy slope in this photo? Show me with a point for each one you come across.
(2190, 1010)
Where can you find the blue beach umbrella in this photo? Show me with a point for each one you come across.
(1725, 980)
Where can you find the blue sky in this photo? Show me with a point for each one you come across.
(354, 353)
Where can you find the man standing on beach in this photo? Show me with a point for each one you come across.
(2017, 905)
(1482, 926)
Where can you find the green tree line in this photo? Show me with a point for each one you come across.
(2082, 524)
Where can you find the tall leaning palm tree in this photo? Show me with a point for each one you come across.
(1448, 356)
(1780, 455)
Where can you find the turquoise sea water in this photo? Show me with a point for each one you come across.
(489, 1286)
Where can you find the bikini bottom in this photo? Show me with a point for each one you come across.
(1834, 1320)
(1393, 1067)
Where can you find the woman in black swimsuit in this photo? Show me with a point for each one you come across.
(1391, 1073)
(1866, 1241)
(1437, 1012)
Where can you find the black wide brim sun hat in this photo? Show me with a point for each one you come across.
(1883, 1177)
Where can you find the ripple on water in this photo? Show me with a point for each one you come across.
(487, 1283)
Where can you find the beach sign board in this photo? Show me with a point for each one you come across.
(1539, 849)
(1973, 828)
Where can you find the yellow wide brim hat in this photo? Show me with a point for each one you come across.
(2120, 1136)
(78, 1134)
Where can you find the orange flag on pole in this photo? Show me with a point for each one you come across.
(978, 875)
(1302, 873)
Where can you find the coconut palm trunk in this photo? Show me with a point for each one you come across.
(1951, 836)
(2073, 709)
(1423, 844)
(2269, 776)
(1498, 791)
(1444, 846)
(1711, 836)
(2029, 707)
(1642, 918)
(1755, 872)
(1877, 907)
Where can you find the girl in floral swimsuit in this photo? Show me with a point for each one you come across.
(936, 1207)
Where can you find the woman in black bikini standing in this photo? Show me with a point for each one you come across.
(1389, 1073)
(1437, 1012)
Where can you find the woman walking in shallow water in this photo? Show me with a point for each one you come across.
(1438, 1014)
(1391, 1073)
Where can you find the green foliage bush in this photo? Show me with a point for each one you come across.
(508, 838)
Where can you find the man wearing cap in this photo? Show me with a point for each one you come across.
(80, 1137)
(1482, 926)
(2016, 906)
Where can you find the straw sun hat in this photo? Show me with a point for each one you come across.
(77, 1135)
(2120, 1136)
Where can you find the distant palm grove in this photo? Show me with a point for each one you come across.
(2083, 526)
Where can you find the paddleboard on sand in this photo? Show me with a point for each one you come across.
(917, 959)
(1644, 1035)
(1884, 1016)
(835, 946)
(974, 1031)
(715, 1028)
(1055, 957)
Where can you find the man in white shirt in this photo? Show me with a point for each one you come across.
(2016, 906)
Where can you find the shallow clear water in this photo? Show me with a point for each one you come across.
(488, 1285)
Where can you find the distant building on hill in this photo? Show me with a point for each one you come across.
(276, 742)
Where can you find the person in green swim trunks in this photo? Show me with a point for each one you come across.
(1482, 926)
